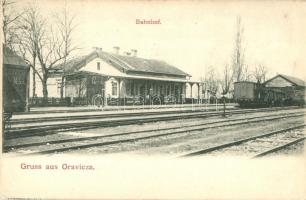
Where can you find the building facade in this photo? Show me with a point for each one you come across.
(110, 78)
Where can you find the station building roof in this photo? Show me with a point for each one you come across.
(126, 64)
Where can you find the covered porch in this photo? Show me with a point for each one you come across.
(87, 88)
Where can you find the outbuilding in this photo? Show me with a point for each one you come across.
(293, 87)
(15, 82)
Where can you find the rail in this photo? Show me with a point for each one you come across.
(171, 131)
(238, 142)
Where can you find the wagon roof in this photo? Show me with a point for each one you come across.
(291, 79)
(125, 63)
(11, 58)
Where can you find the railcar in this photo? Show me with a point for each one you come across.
(250, 94)
(246, 93)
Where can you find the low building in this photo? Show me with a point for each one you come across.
(15, 82)
(111, 78)
(292, 87)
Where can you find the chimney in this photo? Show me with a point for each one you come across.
(98, 49)
(134, 52)
(116, 49)
(127, 53)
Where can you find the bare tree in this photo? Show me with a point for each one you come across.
(10, 17)
(212, 84)
(49, 53)
(240, 71)
(203, 83)
(43, 45)
(246, 73)
(66, 27)
(226, 82)
(260, 73)
(30, 33)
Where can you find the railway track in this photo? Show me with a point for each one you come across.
(280, 147)
(118, 120)
(254, 145)
(110, 139)
(102, 115)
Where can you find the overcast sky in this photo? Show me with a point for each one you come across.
(194, 35)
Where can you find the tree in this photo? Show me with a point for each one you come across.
(43, 45)
(10, 17)
(212, 81)
(240, 70)
(203, 83)
(260, 73)
(49, 53)
(246, 73)
(227, 80)
(66, 27)
(226, 83)
(30, 33)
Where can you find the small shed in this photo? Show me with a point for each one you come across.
(15, 82)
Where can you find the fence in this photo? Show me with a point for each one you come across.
(82, 101)
(51, 101)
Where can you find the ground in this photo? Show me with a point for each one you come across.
(176, 144)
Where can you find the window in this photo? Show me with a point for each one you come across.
(114, 88)
(58, 84)
(94, 80)
(98, 66)
(19, 78)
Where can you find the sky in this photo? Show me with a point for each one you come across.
(193, 35)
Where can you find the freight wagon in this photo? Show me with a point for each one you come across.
(249, 94)
(281, 90)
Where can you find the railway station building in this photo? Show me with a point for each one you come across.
(113, 78)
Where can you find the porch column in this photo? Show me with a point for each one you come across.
(27, 109)
(119, 91)
(184, 91)
(181, 93)
(151, 89)
(87, 92)
(191, 84)
(146, 89)
(134, 88)
(104, 95)
(198, 84)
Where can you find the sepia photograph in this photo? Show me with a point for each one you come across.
(146, 80)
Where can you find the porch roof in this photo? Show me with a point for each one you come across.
(126, 76)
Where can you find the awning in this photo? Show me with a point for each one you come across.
(126, 76)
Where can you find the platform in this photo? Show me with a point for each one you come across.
(45, 112)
